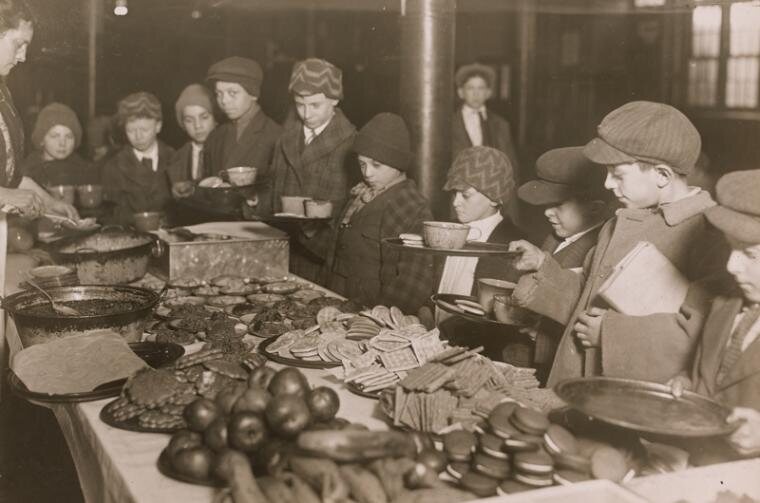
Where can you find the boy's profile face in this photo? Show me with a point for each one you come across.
(475, 92)
(315, 109)
(571, 217)
(744, 265)
(198, 122)
(471, 205)
(233, 99)
(58, 143)
(633, 186)
(141, 132)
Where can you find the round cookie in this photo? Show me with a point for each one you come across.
(479, 485)
(575, 462)
(492, 467)
(457, 469)
(608, 463)
(535, 480)
(522, 442)
(536, 462)
(512, 487)
(459, 445)
(568, 477)
(530, 421)
(492, 445)
(558, 440)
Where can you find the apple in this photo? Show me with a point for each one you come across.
(323, 403)
(261, 377)
(227, 397)
(272, 457)
(183, 439)
(200, 413)
(246, 431)
(289, 381)
(287, 414)
(216, 434)
(253, 400)
(193, 462)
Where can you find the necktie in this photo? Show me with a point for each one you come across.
(734, 349)
(197, 170)
(147, 162)
(310, 134)
(484, 129)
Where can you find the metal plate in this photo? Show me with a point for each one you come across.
(447, 302)
(646, 407)
(155, 354)
(471, 249)
(131, 424)
(293, 362)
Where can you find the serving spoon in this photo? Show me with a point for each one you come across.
(62, 310)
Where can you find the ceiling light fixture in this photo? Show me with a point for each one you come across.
(120, 8)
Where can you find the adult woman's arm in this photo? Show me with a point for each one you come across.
(49, 203)
(27, 202)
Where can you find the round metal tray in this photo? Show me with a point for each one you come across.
(293, 362)
(646, 407)
(470, 249)
(447, 302)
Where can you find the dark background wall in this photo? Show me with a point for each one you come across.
(586, 61)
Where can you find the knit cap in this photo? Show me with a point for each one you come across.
(194, 94)
(314, 76)
(646, 131)
(738, 211)
(385, 138)
(243, 71)
(476, 69)
(56, 114)
(485, 169)
(139, 105)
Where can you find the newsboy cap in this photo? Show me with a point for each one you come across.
(314, 76)
(243, 71)
(563, 173)
(465, 72)
(646, 131)
(485, 169)
(738, 211)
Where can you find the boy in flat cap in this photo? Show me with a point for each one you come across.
(482, 183)
(727, 362)
(310, 160)
(248, 139)
(385, 204)
(473, 124)
(135, 178)
(570, 189)
(648, 149)
(195, 114)
(57, 134)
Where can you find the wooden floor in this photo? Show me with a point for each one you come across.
(35, 464)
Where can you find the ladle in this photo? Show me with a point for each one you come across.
(62, 310)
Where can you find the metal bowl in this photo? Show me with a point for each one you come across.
(36, 328)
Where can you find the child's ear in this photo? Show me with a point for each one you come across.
(664, 174)
(460, 92)
(158, 126)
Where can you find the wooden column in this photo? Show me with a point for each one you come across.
(427, 90)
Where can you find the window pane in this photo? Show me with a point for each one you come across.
(703, 82)
(705, 32)
(745, 29)
(742, 82)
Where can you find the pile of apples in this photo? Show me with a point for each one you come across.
(260, 417)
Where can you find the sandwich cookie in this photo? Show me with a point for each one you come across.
(534, 463)
(459, 445)
(568, 477)
(557, 440)
(492, 467)
(512, 487)
(522, 442)
(530, 421)
(493, 446)
(499, 420)
(457, 469)
(479, 485)
(535, 480)
(574, 462)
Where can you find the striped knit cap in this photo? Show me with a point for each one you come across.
(140, 105)
(738, 211)
(645, 131)
(314, 76)
(485, 169)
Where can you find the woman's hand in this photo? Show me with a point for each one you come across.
(746, 439)
(679, 384)
(60, 208)
(27, 202)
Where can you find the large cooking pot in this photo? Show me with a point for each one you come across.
(124, 309)
(111, 256)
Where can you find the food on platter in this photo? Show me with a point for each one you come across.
(76, 364)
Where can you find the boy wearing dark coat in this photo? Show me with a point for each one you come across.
(311, 160)
(570, 189)
(135, 179)
(385, 204)
(648, 149)
(727, 363)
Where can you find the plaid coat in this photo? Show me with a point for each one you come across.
(321, 170)
(133, 187)
(369, 273)
(653, 347)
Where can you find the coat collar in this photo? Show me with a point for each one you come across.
(133, 170)
(334, 134)
(676, 212)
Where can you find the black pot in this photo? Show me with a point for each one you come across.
(111, 256)
(39, 328)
